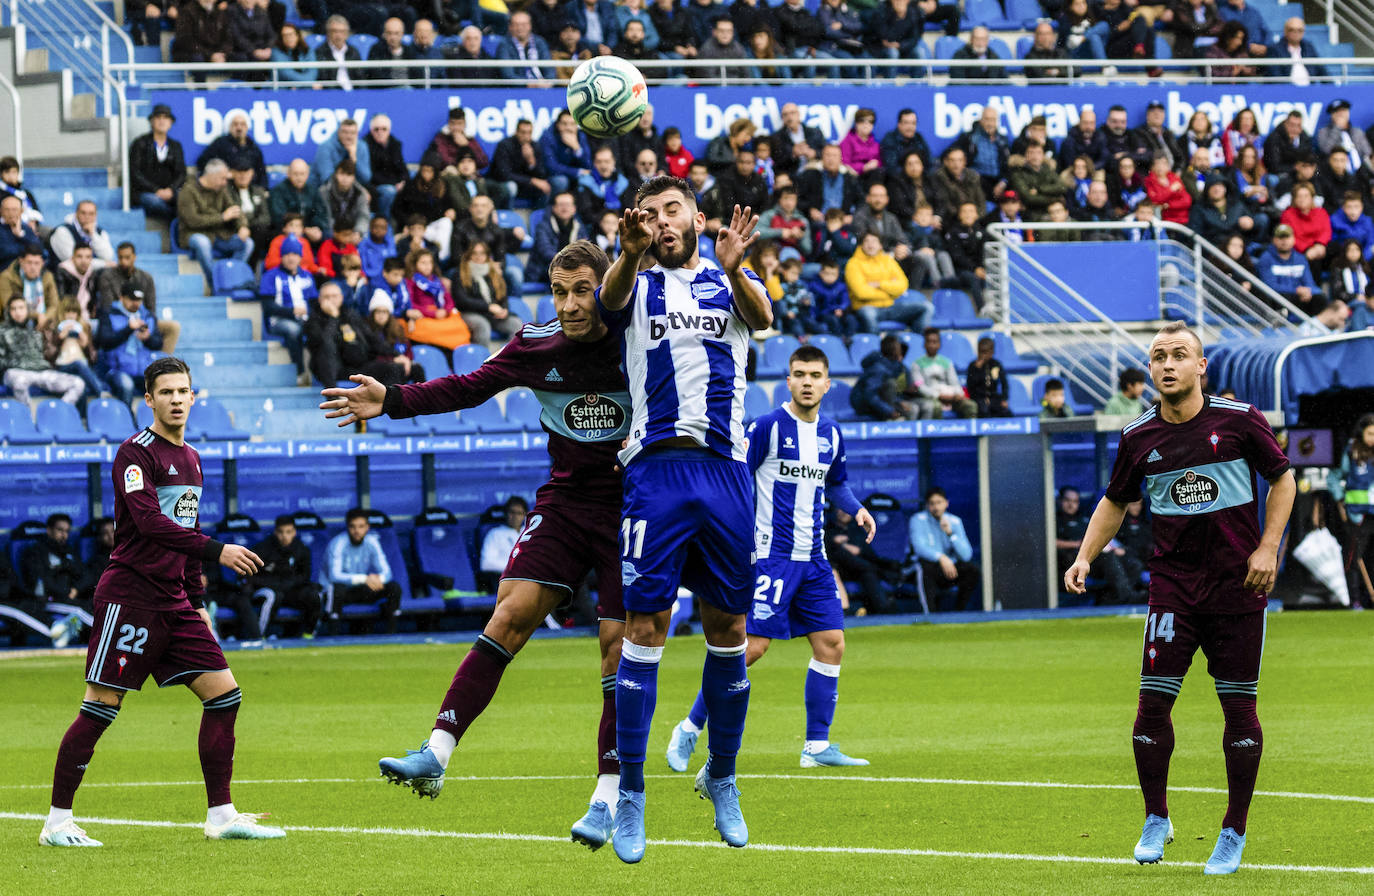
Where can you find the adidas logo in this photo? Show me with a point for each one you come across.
(1245, 742)
(1144, 739)
(1154, 456)
(736, 686)
(553, 376)
(448, 716)
(611, 754)
(171, 469)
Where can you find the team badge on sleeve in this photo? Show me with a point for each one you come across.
(133, 478)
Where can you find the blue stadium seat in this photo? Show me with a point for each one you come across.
(891, 541)
(362, 42)
(491, 44)
(1019, 400)
(945, 48)
(210, 420)
(756, 402)
(955, 347)
(546, 312)
(23, 535)
(431, 359)
(523, 409)
(1024, 12)
(313, 40)
(174, 231)
(467, 358)
(835, 351)
(1037, 392)
(773, 360)
(143, 417)
(443, 561)
(60, 422)
(488, 418)
(450, 424)
(234, 279)
(235, 529)
(16, 424)
(294, 17)
(1023, 45)
(407, 426)
(835, 404)
(861, 346)
(954, 310)
(989, 13)
(110, 419)
(1006, 353)
(509, 220)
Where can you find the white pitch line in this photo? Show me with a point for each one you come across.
(424, 833)
(828, 779)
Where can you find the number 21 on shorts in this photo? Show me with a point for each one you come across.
(1160, 625)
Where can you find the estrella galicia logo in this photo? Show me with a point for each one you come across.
(187, 508)
(1194, 492)
(593, 417)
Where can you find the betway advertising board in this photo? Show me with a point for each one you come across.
(290, 123)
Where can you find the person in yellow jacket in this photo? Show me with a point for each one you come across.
(878, 289)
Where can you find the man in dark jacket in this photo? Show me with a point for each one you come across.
(894, 32)
(515, 162)
(49, 569)
(157, 168)
(392, 49)
(831, 185)
(1286, 144)
(236, 147)
(293, 196)
(977, 48)
(558, 228)
(902, 139)
(801, 34)
(284, 580)
(887, 389)
(389, 171)
(1083, 139)
(794, 144)
(202, 34)
(742, 185)
(250, 37)
(1153, 137)
(337, 50)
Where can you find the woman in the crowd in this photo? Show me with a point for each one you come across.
(479, 294)
(439, 323)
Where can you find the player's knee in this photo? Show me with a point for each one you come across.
(1240, 712)
(1154, 706)
(829, 648)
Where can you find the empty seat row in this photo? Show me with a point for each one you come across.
(107, 419)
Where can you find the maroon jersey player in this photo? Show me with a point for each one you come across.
(573, 367)
(149, 613)
(1197, 457)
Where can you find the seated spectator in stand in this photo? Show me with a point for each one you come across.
(285, 580)
(844, 36)
(413, 237)
(479, 294)
(1311, 224)
(1134, 545)
(500, 540)
(977, 49)
(1294, 45)
(377, 247)
(1165, 189)
(1350, 280)
(886, 389)
(1219, 214)
(1053, 405)
(527, 49)
(1129, 399)
(785, 223)
(335, 338)
(1257, 32)
(1036, 181)
(941, 546)
(146, 20)
(830, 186)
(894, 30)
(565, 152)
(464, 184)
(559, 228)
(1071, 524)
(213, 225)
(1098, 208)
(547, 17)
(293, 226)
(1236, 250)
(12, 183)
(834, 238)
(104, 532)
(286, 292)
(1047, 45)
(1058, 213)
(22, 362)
(202, 34)
(76, 276)
(568, 46)
(677, 38)
(742, 185)
(516, 164)
(110, 281)
(908, 186)
(859, 150)
(295, 196)
(291, 47)
(15, 234)
(1337, 133)
(1351, 223)
(250, 37)
(1195, 176)
(607, 234)
(1286, 144)
(928, 251)
(469, 49)
(1336, 179)
(802, 35)
(28, 279)
(482, 227)
(1286, 272)
(986, 382)
(955, 184)
(346, 203)
(337, 50)
(1008, 211)
(633, 43)
(1078, 179)
(157, 168)
(389, 345)
(70, 346)
(352, 283)
(1327, 322)
(986, 149)
(1304, 172)
(964, 241)
(762, 45)
(389, 171)
(439, 323)
(79, 227)
(1126, 186)
(794, 312)
(392, 48)
(129, 340)
(646, 168)
(426, 196)
(452, 142)
(343, 242)
(356, 572)
(343, 145)
(50, 569)
(254, 201)
(1232, 44)
(830, 299)
(941, 390)
(854, 560)
(1195, 25)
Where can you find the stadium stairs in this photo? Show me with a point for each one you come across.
(72, 136)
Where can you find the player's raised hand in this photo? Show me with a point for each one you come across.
(865, 519)
(734, 240)
(361, 402)
(240, 559)
(1261, 570)
(1076, 577)
(636, 236)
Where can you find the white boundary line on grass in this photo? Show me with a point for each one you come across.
(698, 844)
(871, 779)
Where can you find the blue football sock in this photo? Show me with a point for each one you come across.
(698, 714)
(636, 693)
(725, 691)
(822, 692)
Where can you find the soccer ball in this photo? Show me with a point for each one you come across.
(607, 96)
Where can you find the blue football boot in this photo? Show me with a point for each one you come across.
(724, 797)
(418, 770)
(830, 756)
(680, 747)
(1157, 832)
(628, 834)
(1226, 856)
(594, 828)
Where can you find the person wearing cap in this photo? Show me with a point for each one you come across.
(202, 34)
(213, 225)
(1153, 138)
(157, 167)
(1294, 45)
(236, 146)
(1287, 273)
(338, 50)
(128, 341)
(110, 282)
(1286, 143)
(344, 144)
(254, 201)
(1008, 211)
(286, 292)
(1219, 212)
(1339, 133)
(1036, 131)
(389, 171)
(452, 141)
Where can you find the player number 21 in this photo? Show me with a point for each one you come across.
(633, 531)
(131, 640)
(761, 591)
(1161, 624)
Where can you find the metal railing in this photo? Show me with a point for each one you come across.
(64, 28)
(1354, 16)
(17, 127)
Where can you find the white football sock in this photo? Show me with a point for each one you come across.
(689, 727)
(441, 744)
(607, 791)
(220, 814)
(56, 817)
(815, 746)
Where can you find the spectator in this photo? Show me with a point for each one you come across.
(742, 185)
(103, 529)
(500, 540)
(1286, 144)
(844, 34)
(645, 168)
(1236, 250)
(110, 282)
(1241, 132)
(878, 288)
(344, 144)
(292, 227)
(414, 239)
(795, 144)
(250, 37)
(389, 172)
(946, 14)
(1249, 178)
(22, 362)
(482, 227)
(1310, 224)
(357, 572)
(601, 189)
(157, 169)
(676, 33)
(1327, 322)
(986, 382)
(1036, 181)
(977, 49)
(1337, 179)
(929, 249)
(703, 15)
(293, 196)
(337, 50)
(1286, 272)
(1339, 133)
(941, 390)
(834, 238)
(701, 180)
(452, 142)
(516, 164)
(1053, 405)
(793, 311)
(425, 195)
(521, 45)
(859, 150)
(1351, 223)
(1201, 136)
(335, 338)
(801, 34)
(376, 248)
(986, 150)
(284, 580)
(964, 241)
(1046, 46)
(1126, 185)
(422, 41)
(145, 21)
(26, 278)
(565, 151)
(79, 227)
(830, 300)
(1165, 190)
(76, 276)
(1256, 31)
(1294, 45)
(886, 388)
(1350, 282)
(1084, 139)
(1304, 172)
(70, 347)
(722, 150)
(1129, 399)
(894, 32)
(1008, 211)
(830, 186)
(1118, 140)
(292, 48)
(1069, 528)
(254, 201)
(1078, 179)
(12, 183)
(596, 19)
(349, 277)
(128, 340)
(1195, 24)
(548, 18)
(439, 322)
(942, 548)
(49, 568)
(213, 225)
(286, 292)
(644, 135)
(633, 11)
(202, 34)
(1153, 139)
(342, 243)
(559, 228)
(1231, 44)
(389, 345)
(1097, 208)
(1196, 175)
(1219, 214)
(748, 16)
(785, 223)
(470, 49)
(392, 48)
(346, 203)
(479, 294)
(854, 560)
(874, 216)
(909, 187)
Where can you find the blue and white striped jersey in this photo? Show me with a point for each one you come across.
(796, 464)
(684, 346)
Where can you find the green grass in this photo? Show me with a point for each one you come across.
(1016, 702)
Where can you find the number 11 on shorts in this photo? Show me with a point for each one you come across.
(632, 531)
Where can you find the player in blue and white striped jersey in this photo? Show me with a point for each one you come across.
(684, 328)
(798, 460)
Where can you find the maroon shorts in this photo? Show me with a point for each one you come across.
(1233, 644)
(130, 643)
(562, 540)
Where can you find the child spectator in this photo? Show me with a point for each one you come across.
(1052, 405)
(439, 323)
(886, 388)
(1351, 223)
(343, 241)
(1165, 189)
(676, 157)
(415, 238)
(928, 249)
(835, 239)
(71, 347)
(389, 344)
(292, 226)
(286, 291)
(986, 382)
(392, 286)
(1350, 280)
(765, 261)
(964, 241)
(377, 248)
(353, 284)
(11, 182)
(607, 236)
(785, 223)
(794, 312)
(830, 298)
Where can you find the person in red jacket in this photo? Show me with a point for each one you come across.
(1165, 190)
(1311, 224)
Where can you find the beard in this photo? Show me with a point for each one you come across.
(681, 253)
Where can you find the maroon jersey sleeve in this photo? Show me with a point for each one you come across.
(1127, 474)
(133, 471)
(503, 370)
(1261, 448)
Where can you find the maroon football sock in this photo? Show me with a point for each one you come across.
(1153, 740)
(78, 745)
(607, 760)
(474, 684)
(1242, 743)
(217, 745)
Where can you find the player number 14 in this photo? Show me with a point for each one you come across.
(1161, 624)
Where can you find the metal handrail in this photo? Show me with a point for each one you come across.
(1300, 343)
(60, 11)
(18, 129)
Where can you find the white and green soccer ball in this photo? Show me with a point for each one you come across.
(607, 96)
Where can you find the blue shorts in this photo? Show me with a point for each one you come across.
(794, 598)
(689, 521)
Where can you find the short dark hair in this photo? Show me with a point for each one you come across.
(662, 184)
(354, 513)
(292, 216)
(127, 245)
(930, 331)
(55, 518)
(1130, 377)
(394, 263)
(1065, 489)
(932, 492)
(830, 261)
(671, 132)
(515, 500)
(1054, 383)
(31, 248)
(285, 519)
(8, 163)
(163, 367)
(1351, 196)
(416, 219)
(788, 264)
(808, 354)
(581, 254)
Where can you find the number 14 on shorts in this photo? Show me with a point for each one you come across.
(1160, 625)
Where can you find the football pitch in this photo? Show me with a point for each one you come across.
(1001, 763)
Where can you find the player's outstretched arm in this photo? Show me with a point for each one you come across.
(1102, 528)
(732, 244)
(635, 238)
(865, 519)
(362, 402)
(240, 559)
(1264, 562)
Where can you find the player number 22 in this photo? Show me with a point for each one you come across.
(761, 591)
(1162, 625)
(131, 639)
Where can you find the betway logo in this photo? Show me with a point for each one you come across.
(800, 471)
(952, 119)
(712, 324)
(710, 120)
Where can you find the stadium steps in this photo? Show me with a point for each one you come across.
(70, 138)
(276, 412)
